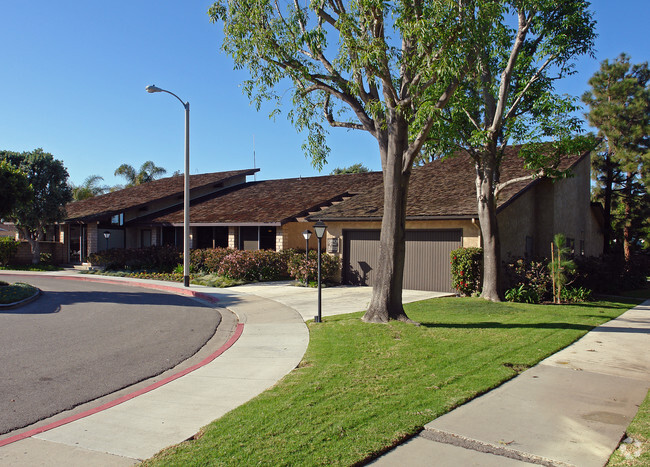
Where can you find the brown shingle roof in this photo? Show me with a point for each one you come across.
(443, 188)
(136, 196)
(271, 201)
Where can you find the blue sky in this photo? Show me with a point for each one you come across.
(74, 76)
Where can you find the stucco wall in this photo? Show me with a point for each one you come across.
(548, 208)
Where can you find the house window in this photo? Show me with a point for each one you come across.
(249, 238)
(118, 219)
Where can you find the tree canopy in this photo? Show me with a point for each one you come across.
(353, 169)
(386, 68)
(510, 99)
(148, 171)
(50, 193)
(14, 189)
(619, 107)
(89, 188)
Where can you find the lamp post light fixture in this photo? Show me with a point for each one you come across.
(186, 188)
(319, 228)
(107, 235)
(306, 234)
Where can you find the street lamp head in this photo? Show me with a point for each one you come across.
(107, 234)
(306, 234)
(319, 228)
(153, 88)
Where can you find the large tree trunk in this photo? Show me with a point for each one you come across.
(34, 244)
(386, 301)
(487, 215)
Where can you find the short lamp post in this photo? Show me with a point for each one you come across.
(319, 229)
(186, 190)
(107, 235)
(307, 234)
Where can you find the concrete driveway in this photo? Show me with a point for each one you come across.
(335, 300)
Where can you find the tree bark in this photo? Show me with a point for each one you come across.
(386, 301)
(487, 215)
(607, 195)
(627, 233)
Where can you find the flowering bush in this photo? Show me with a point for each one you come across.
(301, 268)
(208, 260)
(531, 275)
(466, 270)
(259, 265)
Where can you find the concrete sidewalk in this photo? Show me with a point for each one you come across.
(272, 343)
(572, 409)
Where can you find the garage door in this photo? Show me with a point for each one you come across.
(427, 258)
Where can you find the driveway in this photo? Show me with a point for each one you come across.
(82, 340)
(335, 300)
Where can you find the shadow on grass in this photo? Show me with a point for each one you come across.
(497, 325)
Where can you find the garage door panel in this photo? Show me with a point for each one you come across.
(426, 264)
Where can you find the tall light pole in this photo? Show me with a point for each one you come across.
(319, 228)
(186, 190)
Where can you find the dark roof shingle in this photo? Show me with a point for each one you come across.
(443, 188)
(271, 201)
(139, 195)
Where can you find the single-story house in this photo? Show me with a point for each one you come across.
(227, 210)
(442, 216)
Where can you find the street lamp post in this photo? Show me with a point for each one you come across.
(186, 189)
(107, 235)
(319, 228)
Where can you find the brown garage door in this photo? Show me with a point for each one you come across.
(427, 258)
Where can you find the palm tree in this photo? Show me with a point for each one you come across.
(148, 172)
(89, 188)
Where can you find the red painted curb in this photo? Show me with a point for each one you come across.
(238, 332)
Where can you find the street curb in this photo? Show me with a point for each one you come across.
(234, 338)
(24, 301)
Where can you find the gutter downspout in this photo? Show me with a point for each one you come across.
(478, 228)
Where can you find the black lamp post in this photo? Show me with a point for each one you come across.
(306, 234)
(320, 229)
(107, 235)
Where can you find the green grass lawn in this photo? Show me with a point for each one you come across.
(636, 453)
(362, 388)
(31, 267)
(11, 293)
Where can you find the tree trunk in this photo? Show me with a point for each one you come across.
(627, 233)
(386, 301)
(487, 215)
(607, 195)
(35, 247)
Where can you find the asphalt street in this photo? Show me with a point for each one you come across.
(82, 340)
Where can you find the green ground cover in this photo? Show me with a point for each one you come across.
(31, 267)
(635, 452)
(363, 388)
(209, 280)
(11, 293)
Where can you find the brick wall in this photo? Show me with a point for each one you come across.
(58, 251)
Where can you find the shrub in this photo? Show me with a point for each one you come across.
(466, 270)
(258, 265)
(8, 249)
(301, 267)
(609, 274)
(522, 294)
(533, 275)
(46, 258)
(575, 294)
(157, 258)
